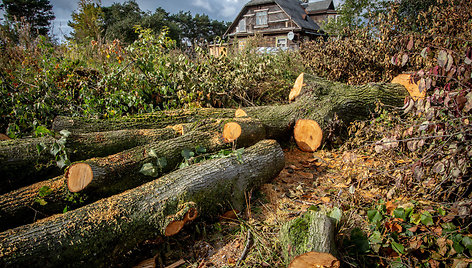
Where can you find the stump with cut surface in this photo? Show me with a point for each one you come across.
(313, 231)
(94, 234)
(308, 135)
(413, 88)
(315, 259)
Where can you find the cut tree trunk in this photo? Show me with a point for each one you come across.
(313, 231)
(319, 100)
(21, 164)
(25, 205)
(94, 234)
(105, 176)
(114, 174)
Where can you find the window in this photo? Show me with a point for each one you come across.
(242, 26)
(281, 42)
(261, 18)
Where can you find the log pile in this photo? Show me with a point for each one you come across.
(124, 171)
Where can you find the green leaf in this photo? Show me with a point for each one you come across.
(448, 226)
(400, 213)
(375, 238)
(41, 201)
(415, 218)
(399, 248)
(187, 154)
(374, 216)
(441, 211)
(41, 131)
(62, 161)
(40, 147)
(336, 214)
(44, 191)
(458, 247)
(62, 141)
(152, 153)
(467, 242)
(183, 164)
(65, 133)
(161, 162)
(200, 150)
(55, 149)
(65, 209)
(426, 218)
(149, 169)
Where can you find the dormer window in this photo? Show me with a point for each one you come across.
(242, 25)
(261, 18)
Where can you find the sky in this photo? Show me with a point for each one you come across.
(223, 10)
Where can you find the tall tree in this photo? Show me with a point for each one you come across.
(38, 13)
(120, 20)
(87, 21)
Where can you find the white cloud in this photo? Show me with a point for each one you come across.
(203, 4)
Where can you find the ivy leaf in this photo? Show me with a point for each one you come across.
(374, 216)
(65, 133)
(183, 164)
(467, 242)
(55, 149)
(149, 169)
(152, 153)
(65, 209)
(161, 162)
(41, 201)
(62, 161)
(200, 150)
(427, 219)
(40, 147)
(376, 238)
(400, 213)
(44, 191)
(187, 154)
(399, 248)
(336, 214)
(41, 131)
(442, 58)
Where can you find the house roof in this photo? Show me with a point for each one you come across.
(322, 5)
(293, 9)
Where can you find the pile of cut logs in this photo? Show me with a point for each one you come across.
(113, 206)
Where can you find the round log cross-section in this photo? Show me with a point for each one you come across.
(78, 176)
(308, 135)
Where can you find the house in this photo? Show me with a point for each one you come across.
(321, 11)
(280, 23)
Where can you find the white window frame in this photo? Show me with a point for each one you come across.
(284, 43)
(242, 26)
(261, 18)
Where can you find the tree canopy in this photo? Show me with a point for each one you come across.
(87, 22)
(38, 13)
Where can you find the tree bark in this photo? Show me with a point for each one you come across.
(313, 231)
(319, 100)
(94, 234)
(23, 206)
(116, 173)
(21, 164)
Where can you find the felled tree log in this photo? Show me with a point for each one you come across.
(319, 100)
(21, 164)
(94, 234)
(25, 205)
(115, 173)
(313, 231)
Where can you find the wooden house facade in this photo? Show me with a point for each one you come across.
(279, 23)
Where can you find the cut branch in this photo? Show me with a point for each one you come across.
(23, 165)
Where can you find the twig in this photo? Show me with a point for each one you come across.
(246, 248)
